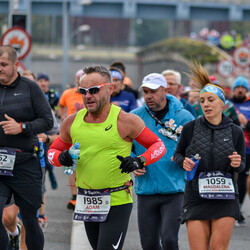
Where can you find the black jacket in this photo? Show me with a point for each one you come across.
(212, 158)
(24, 101)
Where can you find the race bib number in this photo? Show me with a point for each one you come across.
(216, 185)
(7, 161)
(92, 205)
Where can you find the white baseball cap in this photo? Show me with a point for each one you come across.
(154, 81)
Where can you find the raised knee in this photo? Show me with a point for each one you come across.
(9, 220)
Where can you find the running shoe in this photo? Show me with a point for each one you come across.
(43, 222)
(240, 223)
(71, 204)
(14, 240)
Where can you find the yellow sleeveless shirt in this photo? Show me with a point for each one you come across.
(100, 143)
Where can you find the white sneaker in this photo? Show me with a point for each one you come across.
(241, 223)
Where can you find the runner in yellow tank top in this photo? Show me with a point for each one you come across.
(105, 134)
(100, 142)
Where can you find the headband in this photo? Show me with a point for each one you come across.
(215, 90)
(116, 74)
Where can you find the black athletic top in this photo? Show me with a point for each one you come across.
(187, 133)
(195, 207)
(24, 101)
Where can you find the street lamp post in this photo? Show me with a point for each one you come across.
(65, 46)
(66, 42)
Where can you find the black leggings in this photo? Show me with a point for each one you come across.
(158, 220)
(110, 234)
(34, 236)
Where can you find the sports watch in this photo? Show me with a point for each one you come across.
(24, 127)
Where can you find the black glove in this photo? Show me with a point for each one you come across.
(65, 159)
(129, 164)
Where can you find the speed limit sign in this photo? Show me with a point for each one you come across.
(225, 68)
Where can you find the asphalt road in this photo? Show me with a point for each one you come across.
(61, 229)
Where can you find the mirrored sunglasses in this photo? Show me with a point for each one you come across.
(92, 90)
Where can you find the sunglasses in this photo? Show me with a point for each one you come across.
(92, 90)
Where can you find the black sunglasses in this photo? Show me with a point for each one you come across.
(92, 90)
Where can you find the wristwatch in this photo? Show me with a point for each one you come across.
(47, 139)
(24, 127)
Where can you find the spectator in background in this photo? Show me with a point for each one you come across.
(227, 42)
(120, 97)
(174, 83)
(126, 80)
(127, 83)
(29, 74)
(228, 92)
(71, 99)
(193, 96)
(242, 104)
(52, 96)
(70, 102)
(193, 84)
(214, 37)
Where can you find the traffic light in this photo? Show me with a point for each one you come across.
(19, 20)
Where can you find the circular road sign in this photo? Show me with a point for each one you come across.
(21, 68)
(241, 56)
(225, 68)
(18, 38)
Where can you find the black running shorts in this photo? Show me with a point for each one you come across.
(25, 184)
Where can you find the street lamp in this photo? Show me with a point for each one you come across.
(86, 2)
(81, 28)
(66, 45)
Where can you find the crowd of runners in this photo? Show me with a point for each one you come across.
(143, 139)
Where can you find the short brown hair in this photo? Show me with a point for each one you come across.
(98, 69)
(28, 73)
(11, 52)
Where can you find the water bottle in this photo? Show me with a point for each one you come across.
(40, 149)
(74, 152)
(191, 174)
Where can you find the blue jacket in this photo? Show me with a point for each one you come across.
(126, 100)
(163, 176)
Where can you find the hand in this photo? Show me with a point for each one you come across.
(42, 137)
(65, 159)
(235, 160)
(10, 127)
(139, 172)
(188, 164)
(129, 163)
